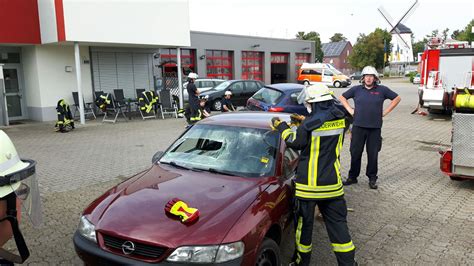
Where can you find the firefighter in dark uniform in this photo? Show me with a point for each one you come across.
(193, 93)
(366, 131)
(65, 120)
(226, 103)
(318, 179)
(203, 111)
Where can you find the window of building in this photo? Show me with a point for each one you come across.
(188, 60)
(300, 59)
(13, 58)
(219, 64)
(252, 65)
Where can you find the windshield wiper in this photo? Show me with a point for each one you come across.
(177, 165)
(215, 171)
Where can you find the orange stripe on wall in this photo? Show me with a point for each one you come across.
(60, 20)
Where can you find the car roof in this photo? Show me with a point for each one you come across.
(285, 86)
(244, 119)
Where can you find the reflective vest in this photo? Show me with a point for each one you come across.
(102, 101)
(147, 101)
(64, 113)
(318, 174)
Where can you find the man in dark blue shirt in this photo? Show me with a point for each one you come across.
(367, 112)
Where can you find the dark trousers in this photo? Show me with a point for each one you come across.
(372, 139)
(334, 213)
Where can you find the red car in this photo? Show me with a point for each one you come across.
(232, 167)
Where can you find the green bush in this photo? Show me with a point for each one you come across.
(412, 75)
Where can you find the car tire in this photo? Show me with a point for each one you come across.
(306, 83)
(217, 105)
(337, 84)
(269, 253)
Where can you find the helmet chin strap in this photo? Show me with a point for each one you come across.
(18, 237)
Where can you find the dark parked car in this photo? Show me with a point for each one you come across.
(232, 167)
(356, 75)
(278, 98)
(242, 90)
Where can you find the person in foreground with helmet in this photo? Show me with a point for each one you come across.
(226, 103)
(193, 93)
(18, 187)
(318, 179)
(368, 112)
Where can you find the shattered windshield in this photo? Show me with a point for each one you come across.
(239, 151)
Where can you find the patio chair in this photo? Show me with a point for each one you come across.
(88, 107)
(167, 105)
(121, 100)
(148, 103)
(112, 109)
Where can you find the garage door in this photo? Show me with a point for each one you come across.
(120, 70)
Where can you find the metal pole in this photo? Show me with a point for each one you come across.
(180, 78)
(77, 57)
(3, 100)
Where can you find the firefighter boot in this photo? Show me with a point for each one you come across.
(349, 181)
(372, 183)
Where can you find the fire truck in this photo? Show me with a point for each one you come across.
(458, 161)
(443, 67)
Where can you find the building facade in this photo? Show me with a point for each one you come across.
(337, 54)
(120, 46)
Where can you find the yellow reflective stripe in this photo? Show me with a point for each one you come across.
(315, 169)
(311, 163)
(300, 247)
(336, 163)
(346, 247)
(330, 125)
(286, 133)
(318, 188)
(320, 195)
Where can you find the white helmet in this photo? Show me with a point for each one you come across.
(370, 70)
(193, 75)
(18, 176)
(315, 93)
(227, 93)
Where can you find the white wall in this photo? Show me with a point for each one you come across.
(407, 52)
(54, 82)
(147, 22)
(30, 76)
(47, 19)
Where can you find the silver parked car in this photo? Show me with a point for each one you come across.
(202, 85)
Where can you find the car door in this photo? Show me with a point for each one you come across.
(237, 89)
(251, 87)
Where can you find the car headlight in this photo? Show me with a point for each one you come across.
(87, 229)
(208, 254)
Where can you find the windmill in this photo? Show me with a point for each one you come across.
(395, 26)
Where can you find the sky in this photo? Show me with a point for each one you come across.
(283, 19)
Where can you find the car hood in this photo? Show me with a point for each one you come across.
(136, 211)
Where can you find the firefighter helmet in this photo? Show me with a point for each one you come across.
(370, 70)
(193, 75)
(315, 93)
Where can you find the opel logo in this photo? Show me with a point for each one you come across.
(128, 247)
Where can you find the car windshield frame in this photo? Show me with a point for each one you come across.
(247, 152)
(263, 99)
(222, 86)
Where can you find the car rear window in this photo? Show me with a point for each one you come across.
(267, 95)
(240, 151)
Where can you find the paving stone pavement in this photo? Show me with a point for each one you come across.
(417, 216)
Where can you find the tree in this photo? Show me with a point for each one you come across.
(369, 49)
(313, 36)
(419, 47)
(445, 34)
(337, 37)
(464, 35)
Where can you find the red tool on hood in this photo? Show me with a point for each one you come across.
(180, 209)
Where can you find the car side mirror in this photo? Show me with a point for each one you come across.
(157, 156)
